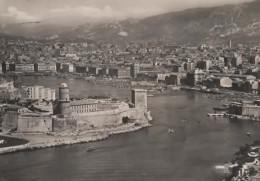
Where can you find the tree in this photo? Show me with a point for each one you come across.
(252, 171)
(125, 120)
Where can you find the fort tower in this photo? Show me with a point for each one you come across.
(139, 98)
(64, 100)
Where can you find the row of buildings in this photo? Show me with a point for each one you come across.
(9, 92)
(95, 70)
(39, 93)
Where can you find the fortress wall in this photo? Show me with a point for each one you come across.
(62, 124)
(34, 124)
(105, 118)
(10, 120)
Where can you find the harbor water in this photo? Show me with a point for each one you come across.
(190, 153)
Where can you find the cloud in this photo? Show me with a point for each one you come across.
(80, 11)
(143, 12)
(106, 12)
(18, 16)
(87, 11)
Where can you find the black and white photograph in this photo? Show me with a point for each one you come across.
(129, 90)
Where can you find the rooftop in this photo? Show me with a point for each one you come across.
(83, 102)
(139, 90)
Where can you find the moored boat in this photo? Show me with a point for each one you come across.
(215, 114)
(92, 148)
(170, 130)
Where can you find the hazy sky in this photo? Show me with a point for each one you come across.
(77, 11)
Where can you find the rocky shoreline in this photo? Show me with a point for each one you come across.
(39, 141)
(245, 164)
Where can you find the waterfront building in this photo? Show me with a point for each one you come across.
(169, 78)
(24, 67)
(113, 72)
(198, 76)
(67, 67)
(80, 69)
(45, 67)
(134, 70)
(248, 109)
(235, 108)
(124, 73)
(93, 70)
(251, 110)
(235, 76)
(39, 93)
(195, 77)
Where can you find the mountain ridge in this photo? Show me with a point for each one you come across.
(239, 22)
(214, 24)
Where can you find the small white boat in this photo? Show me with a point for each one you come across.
(150, 95)
(170, 130)
(92, 148)
(175, 88)
(184, 121)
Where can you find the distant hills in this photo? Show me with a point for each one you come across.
(34, 29)
(241, 23)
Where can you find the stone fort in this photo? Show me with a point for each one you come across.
(81, 115)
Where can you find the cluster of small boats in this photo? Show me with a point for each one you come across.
(215, 114)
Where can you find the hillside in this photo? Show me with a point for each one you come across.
(241, 23)
(238, 22)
